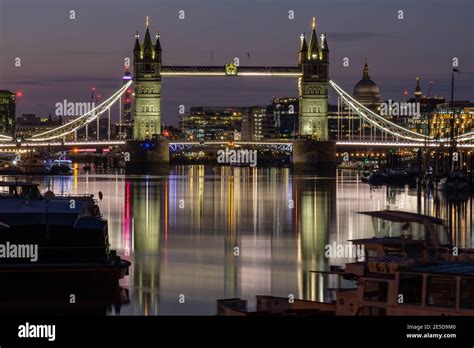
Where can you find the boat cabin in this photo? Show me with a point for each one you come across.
(19, 190)
(409, 269)
(407, 235)
(441, 288)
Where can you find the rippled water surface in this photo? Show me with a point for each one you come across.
(213, 232)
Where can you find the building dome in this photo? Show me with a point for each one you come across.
(366, 87)
(366, 91)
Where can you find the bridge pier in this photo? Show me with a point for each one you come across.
(147, 157)
(314, 157)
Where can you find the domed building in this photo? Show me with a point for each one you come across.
(366, 91)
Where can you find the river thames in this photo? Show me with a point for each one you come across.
(204, 233)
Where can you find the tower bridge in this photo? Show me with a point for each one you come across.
(312, 72)
(313, 82)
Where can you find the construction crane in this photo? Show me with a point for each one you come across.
(429, 89)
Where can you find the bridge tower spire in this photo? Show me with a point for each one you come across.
(147, 45)
(158, 50)
(313, 88)
(147, 78)
(137, 49)
(303, 53)
(313, 51)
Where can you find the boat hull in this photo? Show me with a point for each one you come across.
(90, 275)
(453, 185)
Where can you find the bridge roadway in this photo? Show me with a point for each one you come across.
(213, 71)
(178, 146)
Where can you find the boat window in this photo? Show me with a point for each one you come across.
(441, 291)
(385, 228)
(443, 233)
(371, 255)
(394, 250)
(467, 293)
(28, 192)
(372, 311)
(375, 291)
(410, 287)
(7, 191)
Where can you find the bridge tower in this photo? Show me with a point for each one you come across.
(313, 86)
(147, 78)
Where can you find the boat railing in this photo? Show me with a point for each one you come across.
(66, 196)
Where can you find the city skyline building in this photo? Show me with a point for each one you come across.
(207, 123)
(7, 112)
(252, 123)
(286, 113)
(366, 91)
(28, 125)
(124, 127)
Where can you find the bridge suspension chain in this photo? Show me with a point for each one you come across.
(469, 136)
(81, 121)
(5, 138)
(377, 120)
(392, 128)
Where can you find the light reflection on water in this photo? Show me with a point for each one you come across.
(180, 231)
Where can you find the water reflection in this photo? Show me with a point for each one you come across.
(216, 232)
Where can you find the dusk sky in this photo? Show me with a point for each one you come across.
(63, 58)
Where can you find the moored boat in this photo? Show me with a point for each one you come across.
(32, 164)
(418, 272)
(455, 181)
(60, 238)
(61, 167)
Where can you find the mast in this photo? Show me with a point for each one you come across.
(452, 149)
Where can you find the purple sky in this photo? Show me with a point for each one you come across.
(63, 58)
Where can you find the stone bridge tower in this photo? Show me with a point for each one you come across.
(147, 80)
(313, 86)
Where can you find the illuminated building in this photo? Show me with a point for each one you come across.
(147, 78)
(426, 106)
(252, 121)
(342, 124)
(440, 123)
(7, 112)
(212, 123)
(276, 121)
(124, 128)
(28, 125)
(366, 91)
(286, 116)
(171, 132)
(127, 99)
